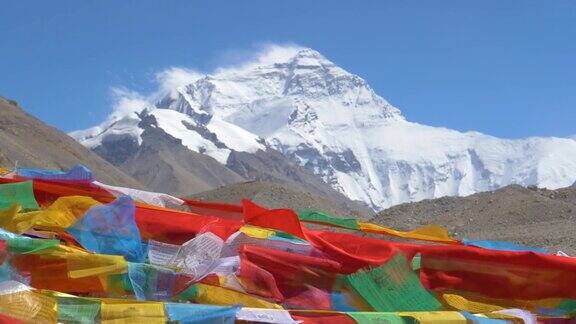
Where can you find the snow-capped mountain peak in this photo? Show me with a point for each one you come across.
(306, 74)
(330, 121)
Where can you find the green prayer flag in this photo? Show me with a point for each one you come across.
(189, 294)
(24, 244)
(287, 236)
(568, 306)
(416, 261)
(393, 287)
(21, 193)
(77, 310)
(320, 217)
(375, 317)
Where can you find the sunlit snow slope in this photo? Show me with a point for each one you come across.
(330, 121)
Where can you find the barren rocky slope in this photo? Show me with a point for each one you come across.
(531, 216)
(29, 142)
(277, 195)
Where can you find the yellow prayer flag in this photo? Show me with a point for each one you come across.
(221, 296)
(257, 232)
(131, 311)
(433, 233)
(29, 306)
(436, 317)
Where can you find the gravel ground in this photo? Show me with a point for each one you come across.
(276, 195)
(531, 216)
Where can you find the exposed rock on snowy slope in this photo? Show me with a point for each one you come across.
(159, 153)
(329, 121)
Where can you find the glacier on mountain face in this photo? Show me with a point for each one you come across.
(331, 122)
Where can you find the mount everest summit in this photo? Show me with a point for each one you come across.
(293, 114)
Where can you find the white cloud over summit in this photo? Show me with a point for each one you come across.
(261, 55)
(174, 77)
(126, 101)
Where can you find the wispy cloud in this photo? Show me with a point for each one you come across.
(175, 77)
(259, 55)
(126, 101)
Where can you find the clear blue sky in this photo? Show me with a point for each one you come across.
(506, 68)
